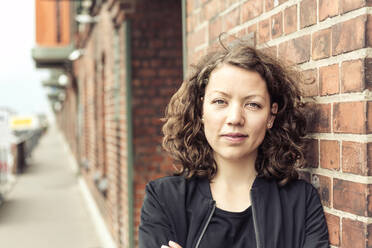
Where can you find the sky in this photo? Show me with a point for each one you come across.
(20, 81)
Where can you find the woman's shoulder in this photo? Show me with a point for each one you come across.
(300, 188)
(299, 184)
(171, 185)
(167, 181)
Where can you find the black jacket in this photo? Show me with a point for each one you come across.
(284, 217)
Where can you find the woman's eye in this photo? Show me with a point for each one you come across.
(253, 105)
(219, 101)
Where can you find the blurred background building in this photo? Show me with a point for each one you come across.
(115, 63)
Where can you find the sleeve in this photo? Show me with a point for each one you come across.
(155, 228)
(316, 231)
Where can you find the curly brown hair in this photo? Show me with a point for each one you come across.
(282, 149)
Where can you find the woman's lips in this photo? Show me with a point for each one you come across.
(235, 137)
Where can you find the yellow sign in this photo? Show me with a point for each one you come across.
(22, 122)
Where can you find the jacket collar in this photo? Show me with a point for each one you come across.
(258, 184)
(266, 201)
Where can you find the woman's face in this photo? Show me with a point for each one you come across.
(236, 112)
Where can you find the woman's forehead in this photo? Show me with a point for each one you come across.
(229, 79)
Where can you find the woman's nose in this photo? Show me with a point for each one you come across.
(235, 116)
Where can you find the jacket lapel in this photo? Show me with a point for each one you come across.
(267, 207)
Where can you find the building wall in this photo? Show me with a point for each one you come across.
(47, 33)
(101, 132)
(156, 74)
(329, 40)
(102, 79)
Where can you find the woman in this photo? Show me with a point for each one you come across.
(236, 127)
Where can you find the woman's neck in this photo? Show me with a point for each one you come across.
(234, 174)
(231, 186)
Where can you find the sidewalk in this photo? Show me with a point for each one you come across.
(46, 208)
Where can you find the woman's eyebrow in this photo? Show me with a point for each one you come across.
(228, 95)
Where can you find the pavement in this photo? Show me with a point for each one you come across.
(46, 207)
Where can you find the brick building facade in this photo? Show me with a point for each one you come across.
(133, 61)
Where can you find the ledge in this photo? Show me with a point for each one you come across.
(51, 57)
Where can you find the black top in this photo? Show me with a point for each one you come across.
(230, 229)
(178, 209)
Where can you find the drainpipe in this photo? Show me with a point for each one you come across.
(184, 39)
(128, 97)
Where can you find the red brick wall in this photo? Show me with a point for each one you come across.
(156, 75)
(156, 60)
(328, 40)
(68, 122)
(99, 140)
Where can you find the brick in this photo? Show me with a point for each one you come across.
(321, 47)
(330, 154)
(215, 29)
(350, 197)
(196, 56)
(333, 223)
(148, 73)
(272, 51)
(312, 153)
(324, 186)
(231, 19)
(269, 5)
(198, 38)
(308, 13)
(290, 19)
(328, 8)
(252, 29)
(264, 31)
(251, 9)
(369, 235)
(199, 17)
(369, 198)
(368, 73)
(190, 6)
(369, 117)
(310, 85)
(353, 233)
(329, 79)
(322, 118)
(354, 158)
(212, 8)
(349, 117)
(348, 5)
(342, 41)
(228, 3)
(352, 79)
(369, 158)
(369, 31)
(296, 50)
(276, 25)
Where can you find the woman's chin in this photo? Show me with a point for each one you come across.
(236, 156)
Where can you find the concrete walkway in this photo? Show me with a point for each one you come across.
(46, 208)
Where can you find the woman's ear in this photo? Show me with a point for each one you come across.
(273, 112)
(274, 109)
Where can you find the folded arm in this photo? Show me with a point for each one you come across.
(155, 228)
(316, 231)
